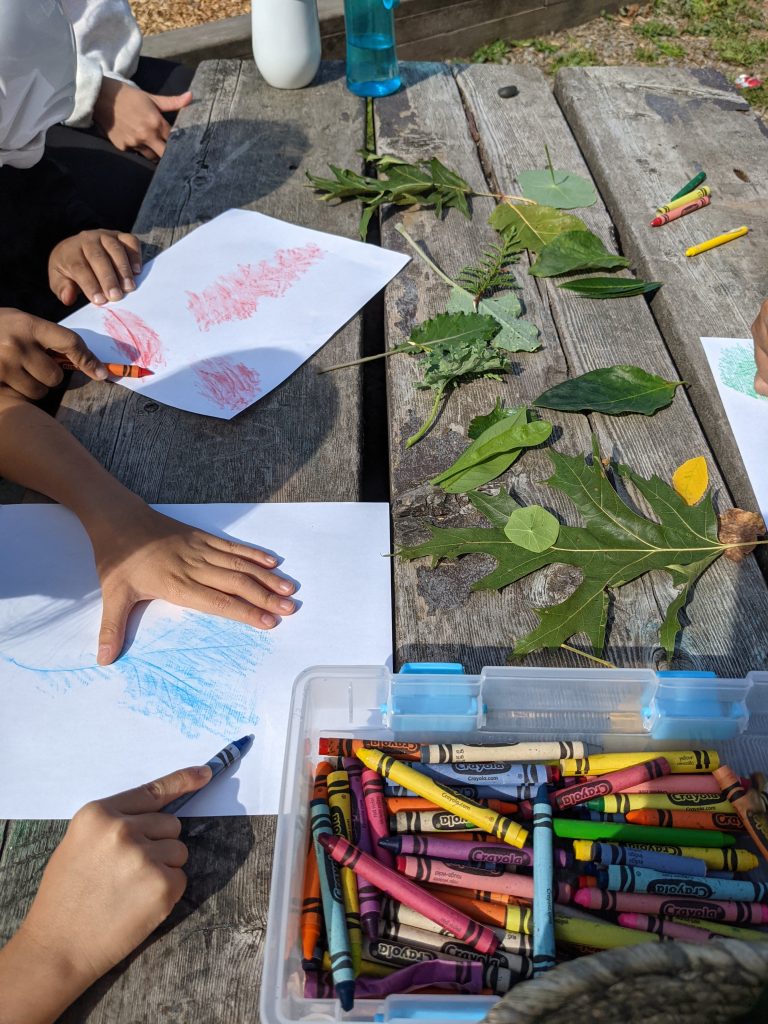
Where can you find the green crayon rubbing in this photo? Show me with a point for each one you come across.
(737, 370)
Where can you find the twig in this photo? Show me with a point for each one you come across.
(589, 657)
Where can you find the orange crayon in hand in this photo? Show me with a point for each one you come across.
(113, 369)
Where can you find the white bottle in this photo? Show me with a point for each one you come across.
(286, 41)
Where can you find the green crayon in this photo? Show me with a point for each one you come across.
(618, 832)
(696, 180)
(730, 931)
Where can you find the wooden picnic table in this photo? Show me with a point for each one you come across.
(323, 438)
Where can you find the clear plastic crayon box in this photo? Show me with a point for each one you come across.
(615, 709)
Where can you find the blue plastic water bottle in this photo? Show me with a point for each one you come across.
(371, 57)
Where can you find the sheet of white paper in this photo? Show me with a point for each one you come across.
(233, 308)
(732, 361)
(71, 731)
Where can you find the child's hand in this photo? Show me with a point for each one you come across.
(101, 264)
(25, 365)
(133, 119)
(760, 335)
(142, 554)
(112, 880)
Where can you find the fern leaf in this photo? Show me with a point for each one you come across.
(490, 273)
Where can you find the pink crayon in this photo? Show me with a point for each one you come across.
(703, 783)
(666, 929)
(370, 903)
(401, 889)
(465, 977)
(438, 872)
(728, 911)
(378, 819)
(680, 211)
(612, 782)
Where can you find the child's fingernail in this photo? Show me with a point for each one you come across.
(115, 295)
(136, 268)
(270, 560)
(103, 653)
(285, 606)
(285, 587)
(98, 299)
(128, 285)
(268, 621)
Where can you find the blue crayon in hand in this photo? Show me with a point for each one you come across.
(543, 884)
(229, 755)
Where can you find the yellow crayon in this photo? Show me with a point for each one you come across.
(368, 968)
(498, 825)
(728, 930)
(680, 762)
(598, 934)
(620, 803)
(714, 242)
(698, 193)
(340, 806)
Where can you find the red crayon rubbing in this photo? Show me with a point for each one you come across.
(134, 338)
(237, 295)
(458, 924)
(713, 820)
(231, 386)
(612, 782)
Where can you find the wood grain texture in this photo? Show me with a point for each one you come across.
(433, 616)
(242, 144)
(644, 132)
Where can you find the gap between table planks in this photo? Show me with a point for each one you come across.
(456, 115)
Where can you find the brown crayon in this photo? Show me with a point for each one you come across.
(716, 821)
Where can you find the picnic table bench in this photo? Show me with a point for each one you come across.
(639, 134)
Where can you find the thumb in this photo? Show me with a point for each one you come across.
(116, 609)
(171, 103)
(155, 795)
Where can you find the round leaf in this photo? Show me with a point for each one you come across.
(691, 480)
(532, 528)
(560, 189)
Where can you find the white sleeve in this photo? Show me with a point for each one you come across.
(108, 42)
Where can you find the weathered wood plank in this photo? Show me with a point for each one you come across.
(242, 144)
(644, 132)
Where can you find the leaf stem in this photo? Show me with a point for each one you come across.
(583, 654)
(549, 163)
(423, 256)
(430, 418)
(506, 198)
(364, 359)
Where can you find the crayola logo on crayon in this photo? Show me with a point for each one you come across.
(726, 820)
(393, 951)
(468, 768)
(448, 821)
(690, 799)
(481, 857)
(704, 911)
(337, 820)
(680, 888)
(585, 792)
(462, 952)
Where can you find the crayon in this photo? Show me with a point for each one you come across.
(337, 747)
(113, 369)
(444, 753)
(747, 808)
(480, 895)
(398, 913)
(341, 822)
(584, 814)
(401, 889)
(680, 211)
(367, 968)
(543, 885)
(619, 878)
(370, 903)
(696, 180)
(681, 783)
(681, 762)
(712, 243)
(442, 945)
(595, 933)
(672, 906)
(715, 859)
(484, 793)
(428, 821)
(482, 817)
(565, 828)
(311, 908)
(492, 773)
(396, 804)
(330, 891)
(623, 802)
(452, 975)
(496, 974)
(729, 931)
(613, 782)
(439, 872)
(611, 853)
(378, 819)
(231, 754)
(689, 197)
(666, 929)
(512, 918)
(450, 849)
(717, 821)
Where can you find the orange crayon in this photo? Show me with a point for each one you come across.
(113, 369)
(749, 807)
(311, 908)
(715, 820)
(511, 918)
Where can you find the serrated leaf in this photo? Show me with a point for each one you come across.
(532, 528)
(612, 390)
(691, 480)
(615, 546)
(449, 329)
(561, 189)
(609, 287)
(575, 250)
(499, 412)
(515, 334)
(533, 226)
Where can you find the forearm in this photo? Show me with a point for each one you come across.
(36, 451)
(37, 983)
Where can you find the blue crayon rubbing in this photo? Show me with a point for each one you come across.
(188, 671)
(737, 370)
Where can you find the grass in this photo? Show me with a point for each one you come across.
(579, 58)
(654, 29)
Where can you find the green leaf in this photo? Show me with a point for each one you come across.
(491, 272)
(574, 250)
(532, 528)
(449, 329)
(614, 546)
(609, 287)
(561, 189)
(497, 508)
(481, 423)
(515, 334)
(533, 226)
(612, 390)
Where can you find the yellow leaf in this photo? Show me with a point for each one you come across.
(691, 480)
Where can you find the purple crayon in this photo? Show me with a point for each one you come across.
(475, 853)
(451, 975)
(370, 901)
